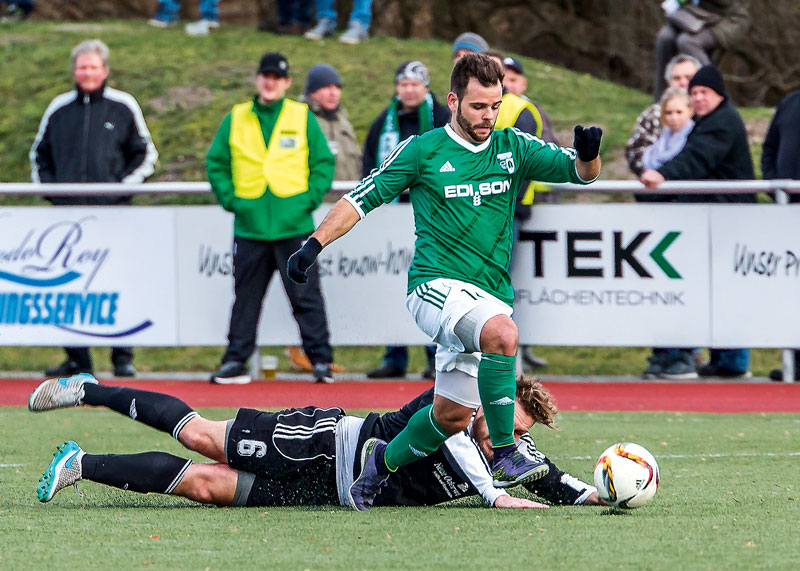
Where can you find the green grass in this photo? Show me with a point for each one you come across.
(729, 499)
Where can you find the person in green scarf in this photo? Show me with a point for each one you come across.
(413, 111)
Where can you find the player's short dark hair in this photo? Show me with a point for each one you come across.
(481, 67)
(536, 400)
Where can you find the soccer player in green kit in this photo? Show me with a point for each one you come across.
(463, 179)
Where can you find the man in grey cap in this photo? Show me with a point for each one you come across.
(468, 42)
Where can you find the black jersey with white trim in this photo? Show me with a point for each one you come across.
(458, 469)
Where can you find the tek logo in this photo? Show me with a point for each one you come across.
(447, 167)
(623, 253)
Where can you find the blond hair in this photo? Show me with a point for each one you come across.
(536, 400)
(674, 93)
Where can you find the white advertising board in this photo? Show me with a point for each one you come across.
(756, 268)
(615, 274)
(87, 276)
(603, 275)
(363, 281)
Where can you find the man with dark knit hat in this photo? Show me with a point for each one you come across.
(322, 94)
(413, 111)
(716, 149)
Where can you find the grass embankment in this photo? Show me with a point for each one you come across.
(185, 85)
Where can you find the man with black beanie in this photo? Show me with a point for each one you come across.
(716, 149)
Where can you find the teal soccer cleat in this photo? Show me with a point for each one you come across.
(64, 470)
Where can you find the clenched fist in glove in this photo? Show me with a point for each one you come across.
(587, 142)
(299, 262)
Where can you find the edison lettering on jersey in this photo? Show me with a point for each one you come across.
(484, 188)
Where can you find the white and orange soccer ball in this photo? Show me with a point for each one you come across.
(626, 475)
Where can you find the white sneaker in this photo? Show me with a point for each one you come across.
(60, 393)
(324, 27)
(355, 34)
(156, 23)
(199, 28)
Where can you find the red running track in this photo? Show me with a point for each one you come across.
(384, 395)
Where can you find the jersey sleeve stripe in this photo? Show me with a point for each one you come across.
(367, 185)
(354, 203)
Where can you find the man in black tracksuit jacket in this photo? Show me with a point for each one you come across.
(93, 133)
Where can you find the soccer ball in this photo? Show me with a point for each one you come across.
(626, 475)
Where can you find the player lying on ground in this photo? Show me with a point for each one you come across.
(463, 181)
(301, 456)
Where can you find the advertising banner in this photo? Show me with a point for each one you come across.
(597, 275)
(363, 281)
(87, 276)
(756, 268)
(616, 274)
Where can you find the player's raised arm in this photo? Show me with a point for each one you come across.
(587, 145)
(338, 222)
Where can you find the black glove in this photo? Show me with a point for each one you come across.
(587, 142)
(302, 259)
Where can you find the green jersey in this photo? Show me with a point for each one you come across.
(463, 197)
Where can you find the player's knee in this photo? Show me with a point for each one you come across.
(452, 419)
(196, 435)
(500, 336)
(204, 483)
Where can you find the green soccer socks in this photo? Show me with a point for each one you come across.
(497, 386)
(421, 436)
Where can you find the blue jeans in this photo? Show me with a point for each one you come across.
(737, 360)
(362, 11)
(397, 355)
(168, 10)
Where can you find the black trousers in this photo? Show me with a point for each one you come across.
(254, 262)
(119, 356)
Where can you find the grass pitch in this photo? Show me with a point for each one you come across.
(729, 499)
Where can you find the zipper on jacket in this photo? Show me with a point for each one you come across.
(87, 116)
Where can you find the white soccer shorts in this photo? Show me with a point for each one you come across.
(437, 306)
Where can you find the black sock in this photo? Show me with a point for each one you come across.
(163, 412)
(146, 472)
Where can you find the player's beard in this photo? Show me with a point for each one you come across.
(469, 129)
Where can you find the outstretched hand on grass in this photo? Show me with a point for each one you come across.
(299, 262)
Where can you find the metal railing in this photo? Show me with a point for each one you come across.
(784, 186)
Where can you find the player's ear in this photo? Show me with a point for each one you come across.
(452, 101)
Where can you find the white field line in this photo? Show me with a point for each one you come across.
(711, 455)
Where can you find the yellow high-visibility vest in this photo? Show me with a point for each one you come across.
(281, 166)
(510, 109)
